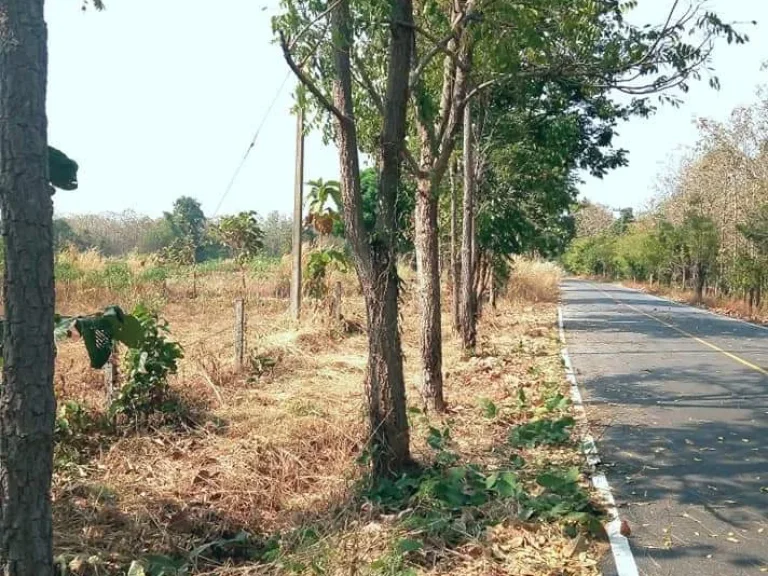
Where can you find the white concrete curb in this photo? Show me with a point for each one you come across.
(622, 553)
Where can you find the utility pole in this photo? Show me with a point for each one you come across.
(298, 201)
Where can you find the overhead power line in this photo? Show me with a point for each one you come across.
(252, 144)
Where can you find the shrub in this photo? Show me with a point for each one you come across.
(67, 272)
(148, 368)
(154, 274)
(117, 275)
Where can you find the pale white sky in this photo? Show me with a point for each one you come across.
(160, 99)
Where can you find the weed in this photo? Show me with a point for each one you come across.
(563, 499)
(488, 408)
(259, 365)
(557, 403)
(116, 275)
(542, 432)
(71, 420)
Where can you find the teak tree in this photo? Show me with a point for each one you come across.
(27, 403)
(324, 64)
(583, 44)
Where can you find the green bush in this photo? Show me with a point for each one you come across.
(154, 274)
(264, 266)
(67, 272)
(147, 368)
(117, 275)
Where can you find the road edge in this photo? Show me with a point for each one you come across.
(703, 309)
(623, 558)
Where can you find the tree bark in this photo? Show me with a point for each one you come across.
(698, 280)
(431, 344)
(436, 141)
(27, 402)
(375, 260)
(493, 288)
(467, 302)
(455, 260)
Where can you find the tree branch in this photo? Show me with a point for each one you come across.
(366, 82)
(311, 23)
(441, 46)
(309, 83)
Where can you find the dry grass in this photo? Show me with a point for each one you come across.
(725, 305)
(276, 456)
(534, 281)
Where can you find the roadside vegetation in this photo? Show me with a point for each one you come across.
(705, 240)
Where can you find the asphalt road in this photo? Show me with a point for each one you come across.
(677, 399)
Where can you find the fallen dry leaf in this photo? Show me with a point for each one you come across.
(625, 530)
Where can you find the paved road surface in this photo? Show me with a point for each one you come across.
(678, 402)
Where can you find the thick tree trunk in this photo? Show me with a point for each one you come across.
(431, 343)
(455, 260)
(384, 381)
(376, 263)
(468, 305)
(27, 402)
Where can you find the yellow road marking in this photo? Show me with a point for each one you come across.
(714, 347)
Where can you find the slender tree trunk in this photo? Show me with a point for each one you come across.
(455, 260)
(376, 263)
(429, 296)
(298, 204)
(699, 280)
(27, 402)
(468, 305)
(493, 288)
(437, 141)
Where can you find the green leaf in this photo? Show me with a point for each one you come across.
(130, 332)
(507, 486)
(490, 410)
(557, 402)
(406, 545)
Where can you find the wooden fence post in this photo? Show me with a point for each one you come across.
(111, 378)
(239, 334)
(338, 292)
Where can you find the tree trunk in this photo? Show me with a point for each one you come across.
(437, 140)
(429, 296)
(384, 380)
(27, 402)
(699, 280)
(468, 304)
(376, 262)
(455, 261)
(493, 287)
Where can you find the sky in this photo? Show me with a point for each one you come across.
(156, 100)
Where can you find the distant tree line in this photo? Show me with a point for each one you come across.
(708, 228)
(184, 227)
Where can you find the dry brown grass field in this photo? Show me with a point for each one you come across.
(263, 473)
